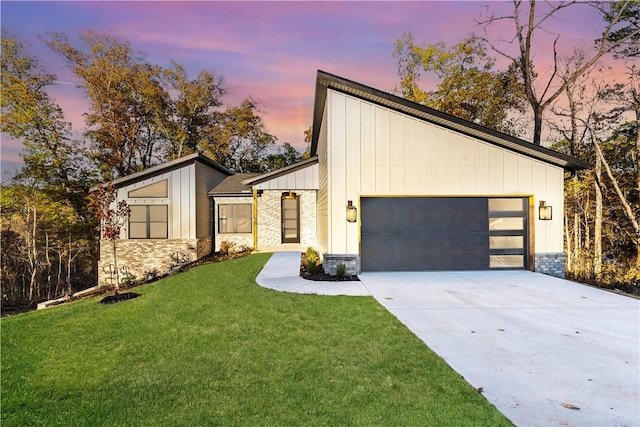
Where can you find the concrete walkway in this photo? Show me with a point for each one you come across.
(538, 346)
(282, 273)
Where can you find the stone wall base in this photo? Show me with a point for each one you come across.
(551, 264)
(330, 263)
(140, 258)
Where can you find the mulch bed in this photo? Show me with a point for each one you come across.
(112, 299)
(320, 276)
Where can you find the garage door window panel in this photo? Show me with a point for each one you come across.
(508, 223)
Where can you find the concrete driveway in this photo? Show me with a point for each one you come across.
(538, 347)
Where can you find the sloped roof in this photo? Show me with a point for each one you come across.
(166, 167)
(233, 184)
(260, 178)
(326, 81)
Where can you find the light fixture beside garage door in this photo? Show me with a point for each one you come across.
(545, 212)
(352, 212)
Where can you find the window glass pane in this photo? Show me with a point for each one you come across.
(243, 218)
(505, 205)
(506, 224)
(158, 213)
(138, 214)
(243, 225)
(506, 261)
(506, 242)
(225, 218)
(157, 189)
(290, 234)
(138, 230)
(243, 211)
(158, 230)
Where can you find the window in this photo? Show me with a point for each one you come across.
(234, 218)
(157, 189)
(148, 222)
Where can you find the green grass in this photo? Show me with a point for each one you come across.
(210, 347)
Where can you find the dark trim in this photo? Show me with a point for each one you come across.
(283, 239)
(326, 81)
(267, 176)
(164, 168)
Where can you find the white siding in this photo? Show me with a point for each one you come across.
(322, 207)
(374, 151)
(302, 179)
(187, 197)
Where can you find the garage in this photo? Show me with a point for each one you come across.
(444, 233)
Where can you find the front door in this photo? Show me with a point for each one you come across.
(290, 218)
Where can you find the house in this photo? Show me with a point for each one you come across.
(390, 185)
(170, 222)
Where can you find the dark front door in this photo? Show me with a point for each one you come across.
(290, 219)
(442, 233)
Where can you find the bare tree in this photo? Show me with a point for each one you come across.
(620, 33)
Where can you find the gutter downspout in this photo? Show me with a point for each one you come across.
(255, 219)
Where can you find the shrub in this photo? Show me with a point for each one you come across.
(311, 260)
(227, 248)
(341, 270)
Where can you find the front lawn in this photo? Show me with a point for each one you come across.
(210, 347)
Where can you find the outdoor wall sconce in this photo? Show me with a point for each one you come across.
(289, 195)
(352, 212)
(545, 212)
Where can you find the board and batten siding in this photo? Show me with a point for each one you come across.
(322, 201)
(302, 179)
(375, 151)
(187, 198)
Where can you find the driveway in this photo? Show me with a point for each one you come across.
(538, 347)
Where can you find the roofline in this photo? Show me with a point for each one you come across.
(165, 167)
(326, 81)
(282, 171)
(231, 194)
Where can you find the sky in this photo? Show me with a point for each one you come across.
(267, 50)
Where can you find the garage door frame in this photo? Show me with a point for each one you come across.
(527, 233)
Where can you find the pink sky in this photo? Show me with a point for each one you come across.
(267, 50)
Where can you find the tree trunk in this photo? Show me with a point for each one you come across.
(116, 287)
(537, 125)
(567, 236)
(597, 224)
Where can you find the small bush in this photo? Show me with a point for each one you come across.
(227, 248)
(311, 260)
(341, 270)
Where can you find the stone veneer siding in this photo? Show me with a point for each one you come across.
(330, 263)
(270, 218)
(143, 256)
(239, 239)
(551, 264)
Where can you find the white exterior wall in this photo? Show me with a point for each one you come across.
(302, 179)
(188, 204)
(374, 151)
(180, 201)
(304, 182)
(240, 239)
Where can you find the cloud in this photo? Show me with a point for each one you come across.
(271, 50)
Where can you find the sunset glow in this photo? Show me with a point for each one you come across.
(267, 50)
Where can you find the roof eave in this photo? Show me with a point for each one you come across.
(163, 168)
(282, 171)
